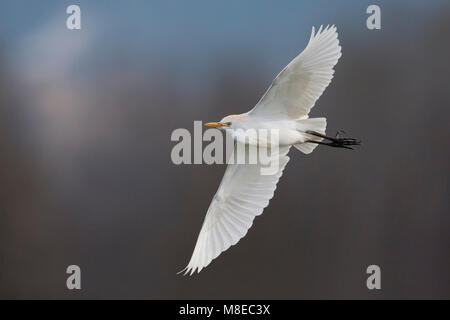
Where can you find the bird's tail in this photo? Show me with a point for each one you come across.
(314, 124)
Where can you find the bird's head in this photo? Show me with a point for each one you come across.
(228, 122)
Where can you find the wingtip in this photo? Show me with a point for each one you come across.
(182, 271)
(189, 270)
(329, 28)
(322, 30)
(333, 28)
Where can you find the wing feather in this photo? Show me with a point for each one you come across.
(242, 195)
(298, 86)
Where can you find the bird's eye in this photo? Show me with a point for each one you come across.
(228, 124)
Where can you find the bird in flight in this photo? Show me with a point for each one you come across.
(244, 192)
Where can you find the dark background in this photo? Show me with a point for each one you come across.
(86, 176)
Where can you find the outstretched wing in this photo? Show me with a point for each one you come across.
(243, 194)
(298, 86)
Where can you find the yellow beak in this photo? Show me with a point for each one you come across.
(216, 124)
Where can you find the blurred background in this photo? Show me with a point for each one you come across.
(86, 176)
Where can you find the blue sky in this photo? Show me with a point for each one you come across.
(188, 34)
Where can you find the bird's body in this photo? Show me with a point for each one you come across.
(244, 191)
(287, 130)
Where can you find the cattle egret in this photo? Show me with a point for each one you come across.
(244, 192)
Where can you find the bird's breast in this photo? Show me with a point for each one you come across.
(267, 133)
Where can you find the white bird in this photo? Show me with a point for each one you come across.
(244, 192)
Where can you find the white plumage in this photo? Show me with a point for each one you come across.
(244, 192)
(298, 86)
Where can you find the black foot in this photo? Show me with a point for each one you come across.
(339, 134)
(336, 142)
